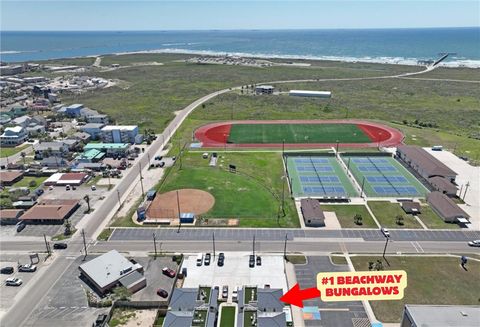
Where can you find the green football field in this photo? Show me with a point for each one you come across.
(296, 133)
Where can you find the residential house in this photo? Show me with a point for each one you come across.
(93, 129)
(98, 119)
(13, 136)
(49, 149)
(119, 133)
(23, 121)
(81, 136)
(110, 149)
(10, 177)
(54, 162)
(74, 110)
(35, 130)
(90, 156)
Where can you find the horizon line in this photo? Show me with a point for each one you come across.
(247, 29)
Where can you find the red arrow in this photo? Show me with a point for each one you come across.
(295, 295)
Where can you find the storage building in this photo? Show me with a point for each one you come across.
(312, 213)
(448, 210)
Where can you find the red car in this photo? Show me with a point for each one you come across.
(168, 272)
(161, 292)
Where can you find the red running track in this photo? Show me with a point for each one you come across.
(215, 135)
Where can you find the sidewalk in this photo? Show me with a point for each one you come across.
(297, 315)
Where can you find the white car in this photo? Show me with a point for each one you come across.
(27, 268)
(385, 232)
(13, 281)
(93, 188)
(475, 243)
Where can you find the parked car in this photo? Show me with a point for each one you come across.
(158, 158)
(385, 232)
(39, 191)
(251, 262)
(94, 188)
(475, 243)
(174, 158)
(21, 226)
(224, 292)
(259, 260)
(199, 259)
(221, 259)
(50, 188)
(168, 272)
(206, 261)
(67, 188)
(101, 320)
(60, 246)
(13, 281)
(161, 292)
(161, 164)
(27, 268)
(7, 270)
(235, 295)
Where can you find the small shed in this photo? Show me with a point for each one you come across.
(312, 213)
(411, 207)
(187, 218)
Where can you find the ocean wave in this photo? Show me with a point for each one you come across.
(367, 59)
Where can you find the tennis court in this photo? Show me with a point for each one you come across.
(315, 176)
(384, 177)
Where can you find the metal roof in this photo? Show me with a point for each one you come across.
(445, 206)
(431, 165)
(106, 146)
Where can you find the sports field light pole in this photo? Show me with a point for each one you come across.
(363, 184)
(155, 245)
(337, 148)
(213, 240)
(178, 207)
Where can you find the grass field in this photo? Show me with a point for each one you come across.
(7, 152)
(253, 194)
(26, 180)
(228, 317)
(432, 220)
(386, 213)
(297, 133)
(431, 280)
(345, 214)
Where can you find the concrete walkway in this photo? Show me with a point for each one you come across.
(297, 315)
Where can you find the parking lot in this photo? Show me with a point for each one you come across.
(66, 303)
(155, 279)
(236, 272)
(9, 294)
(318, 313)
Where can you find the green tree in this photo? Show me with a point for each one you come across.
(358, 219)
(68, 227)
(121, 293)
(399, 220)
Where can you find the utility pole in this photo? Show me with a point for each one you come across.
(213, 239)
(46, 244)
(466, 189)
(337, 148)
(180, 154)
(84, 245)
(348, 163)
(141, 177)
(285, 247)
(119, 201)
(178, 207)
(283, 148)
(283, 195)
(155, 245)
(385, 249)
(253, 244)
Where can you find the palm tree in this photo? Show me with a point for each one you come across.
(68, 227)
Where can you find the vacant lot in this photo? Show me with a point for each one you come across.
(252, 194)
(431, 280)
(346, 214)
(387, 212)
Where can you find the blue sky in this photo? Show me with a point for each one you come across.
(229, 14)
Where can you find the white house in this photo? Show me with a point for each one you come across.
(13, 136)
(119, 134)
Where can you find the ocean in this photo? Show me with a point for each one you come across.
(397, 46)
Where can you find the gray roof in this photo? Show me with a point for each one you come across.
(271, 319)
(92, 125)
(132, 278)
(431, 165)
(269, 299)
(443, 184)
(46, 145)
(183, 299)
(444, 315)
(178, 319)
(107, 268)
(445, 206)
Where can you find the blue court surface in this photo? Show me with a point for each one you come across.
(318, 177)
(383, 177)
